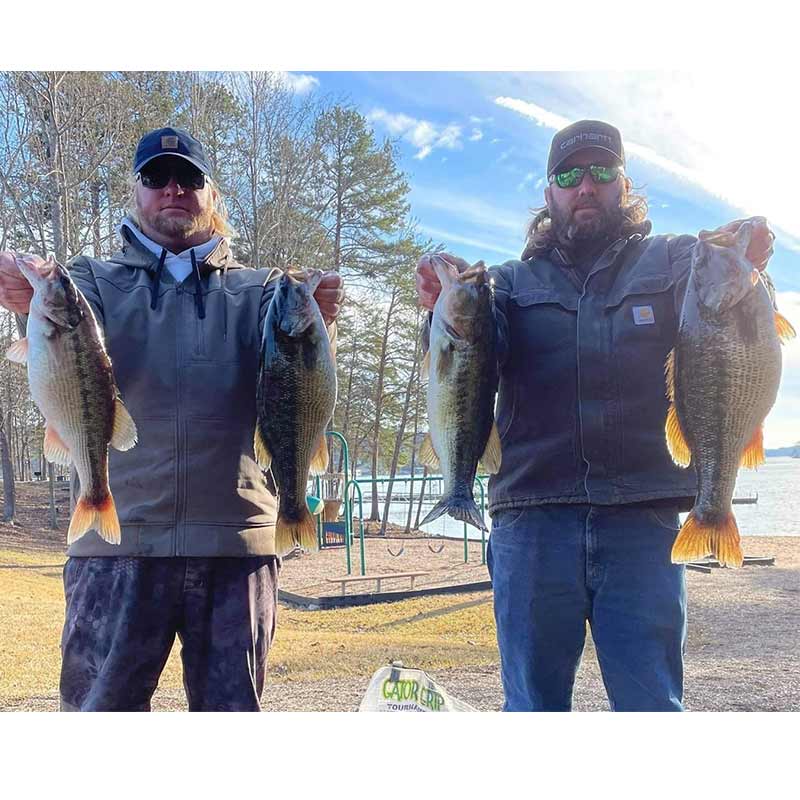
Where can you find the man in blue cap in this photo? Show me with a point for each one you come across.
(182, 322)
(585, 505)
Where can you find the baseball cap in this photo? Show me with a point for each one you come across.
(170, 142)
(582, 135)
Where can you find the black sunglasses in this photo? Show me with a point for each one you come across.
(157, 176)
(573, 177)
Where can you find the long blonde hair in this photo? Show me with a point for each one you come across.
(540, 238)
(219, 214)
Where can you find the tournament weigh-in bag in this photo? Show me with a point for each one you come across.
(397, 688)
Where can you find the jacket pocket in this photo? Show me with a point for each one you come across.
(643, 285)
(543, 296)
(143, 479)
(666, 518)
(505, 518)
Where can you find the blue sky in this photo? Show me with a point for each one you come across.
(474, 146)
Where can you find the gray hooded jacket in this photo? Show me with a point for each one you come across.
(185, 358)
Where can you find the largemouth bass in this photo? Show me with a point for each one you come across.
(72, 383)
(722, 380)
(295, 400)
(462, 382)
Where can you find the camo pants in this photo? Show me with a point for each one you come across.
(122, 616)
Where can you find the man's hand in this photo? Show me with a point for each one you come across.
(15, 291)
(330, 296)
(759, 250)
(428, 286)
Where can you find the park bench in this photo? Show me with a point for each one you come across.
(378, 578)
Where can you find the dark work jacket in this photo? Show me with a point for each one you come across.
(581, 404)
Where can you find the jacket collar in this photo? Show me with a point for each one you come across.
(135, 254)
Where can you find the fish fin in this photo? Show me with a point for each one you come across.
(460, 508)
(55, 450)
(124, 435)
(302, 532)
(331, 330)
(785, 328)
(669, 375)
(18, 352)
(696, 540)
(263, 456)
(427, 454)
(102, 517)
(426, 365)
(753, 454)
(676, 442)
(492, 455)
(319, 459)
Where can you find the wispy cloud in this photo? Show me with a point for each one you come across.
(447, 237)
(471, 211)
(540, 115)
(476, 136)
(300, 84)
(423, 135)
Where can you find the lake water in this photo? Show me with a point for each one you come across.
(777, 512)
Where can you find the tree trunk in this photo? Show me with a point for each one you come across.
(9, 497)
(413, 463)
(96, 237)
(421, 496)
(376, 433)
(398, 442)
(51, 478)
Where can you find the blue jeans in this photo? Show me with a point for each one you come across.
(556, 567)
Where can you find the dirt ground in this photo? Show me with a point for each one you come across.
(743, 649)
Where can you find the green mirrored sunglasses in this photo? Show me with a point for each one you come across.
(573, 177)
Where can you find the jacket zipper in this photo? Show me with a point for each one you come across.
(179, 493)
(592, 272)
(580, 397)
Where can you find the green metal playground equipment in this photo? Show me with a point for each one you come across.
(353, 485)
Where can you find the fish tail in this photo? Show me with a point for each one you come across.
(289, 533)
(460, 508)
(101, 516)
(697, 540)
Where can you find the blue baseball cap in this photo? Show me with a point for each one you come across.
(170, 142)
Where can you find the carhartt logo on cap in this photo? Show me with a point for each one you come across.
(169, 142)
(587, 138)
(643, 315)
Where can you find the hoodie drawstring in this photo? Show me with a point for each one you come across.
(157, 281)
(224, 303)
(198, 296)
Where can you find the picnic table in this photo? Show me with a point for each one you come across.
(345, 579)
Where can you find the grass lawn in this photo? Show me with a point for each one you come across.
(428, 632)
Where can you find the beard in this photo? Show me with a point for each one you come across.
(180, 227)
(589, 233)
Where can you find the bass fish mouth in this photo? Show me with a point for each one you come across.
(38, 275)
